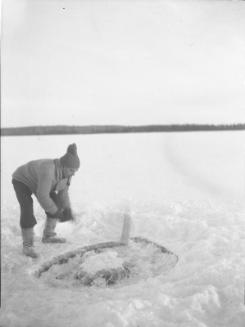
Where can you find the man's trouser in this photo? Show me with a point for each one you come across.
(24, 197)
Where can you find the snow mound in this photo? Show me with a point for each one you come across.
(106, 264)
(96, 262)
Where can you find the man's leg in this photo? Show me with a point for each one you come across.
(27, 218)
(49, 235)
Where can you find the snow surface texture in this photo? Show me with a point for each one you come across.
(184, 191)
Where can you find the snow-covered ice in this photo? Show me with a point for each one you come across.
(102, 261)
(185, 191)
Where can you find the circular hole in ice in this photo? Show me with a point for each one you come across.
(106, 264)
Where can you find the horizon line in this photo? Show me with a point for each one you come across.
(114, 128)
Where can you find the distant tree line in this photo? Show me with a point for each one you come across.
(107, 129)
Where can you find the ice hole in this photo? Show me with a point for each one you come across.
(106, 264)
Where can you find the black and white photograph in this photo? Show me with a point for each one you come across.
(122, 163)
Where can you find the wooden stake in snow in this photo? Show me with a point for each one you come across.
(126, 228)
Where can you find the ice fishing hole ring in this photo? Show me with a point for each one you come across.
(111, 276)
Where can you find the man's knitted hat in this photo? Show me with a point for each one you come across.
(70, 159)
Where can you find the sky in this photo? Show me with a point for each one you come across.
(122, 62)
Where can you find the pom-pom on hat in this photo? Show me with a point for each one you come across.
(70, 159)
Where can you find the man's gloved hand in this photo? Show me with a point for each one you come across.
(67, 215)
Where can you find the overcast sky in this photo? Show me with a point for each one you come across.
(122, 62)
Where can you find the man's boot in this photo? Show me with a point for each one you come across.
(49, 236)
(28, 240)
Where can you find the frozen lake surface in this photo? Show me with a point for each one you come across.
(184, 191)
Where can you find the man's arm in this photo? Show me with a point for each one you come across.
(44, 186)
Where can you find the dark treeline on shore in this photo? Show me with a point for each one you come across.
(104, 129)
